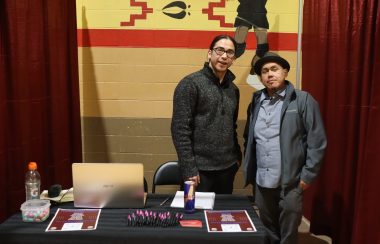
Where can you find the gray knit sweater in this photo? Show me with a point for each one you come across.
(204, 122)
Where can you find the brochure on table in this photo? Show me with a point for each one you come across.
(228, 221)
(203, 200)
(74, 219)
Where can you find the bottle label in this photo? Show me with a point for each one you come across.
(34, 192)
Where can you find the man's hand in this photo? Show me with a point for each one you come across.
(196, 179)
(303, 185)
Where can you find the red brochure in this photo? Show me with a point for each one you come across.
(229, 221)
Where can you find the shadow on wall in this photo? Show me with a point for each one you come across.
(90, 101)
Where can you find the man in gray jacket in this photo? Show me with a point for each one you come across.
(285, 143)
(205, 110)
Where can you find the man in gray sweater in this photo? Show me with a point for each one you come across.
(205, 110)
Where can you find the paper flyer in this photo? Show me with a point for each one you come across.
(229, 221)
(74, 219)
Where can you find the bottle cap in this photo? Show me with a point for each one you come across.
(32, 166)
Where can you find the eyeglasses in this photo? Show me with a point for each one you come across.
(220, 51)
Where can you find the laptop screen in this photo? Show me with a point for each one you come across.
(108, 185)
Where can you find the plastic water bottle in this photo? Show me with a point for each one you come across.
(32, 182)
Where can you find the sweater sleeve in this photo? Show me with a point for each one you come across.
(236, 114)
(184, 104)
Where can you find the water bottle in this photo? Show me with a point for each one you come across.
(32, 182)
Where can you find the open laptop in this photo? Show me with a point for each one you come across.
(108, 185)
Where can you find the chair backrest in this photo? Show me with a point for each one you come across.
(145, 185)
(167, 173)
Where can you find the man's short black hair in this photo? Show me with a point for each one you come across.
(220, 37)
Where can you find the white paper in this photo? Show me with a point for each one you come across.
(230, 227)
(72, 226)
(203, 200)
(64, 196)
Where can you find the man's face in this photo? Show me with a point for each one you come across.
(222, 56)
(273, 77)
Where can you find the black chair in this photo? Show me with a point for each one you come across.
(167, 174)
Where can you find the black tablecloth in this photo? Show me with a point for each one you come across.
(112, 227)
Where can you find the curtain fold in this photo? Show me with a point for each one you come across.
(39, 95)
(340, 67)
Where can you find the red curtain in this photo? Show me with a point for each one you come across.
(340, 67)
(39, 95)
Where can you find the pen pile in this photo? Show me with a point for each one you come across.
(153, 218)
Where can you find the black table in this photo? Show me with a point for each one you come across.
(112, 227)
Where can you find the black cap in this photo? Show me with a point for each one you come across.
(268, 58)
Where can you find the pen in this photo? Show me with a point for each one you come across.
(164, 201)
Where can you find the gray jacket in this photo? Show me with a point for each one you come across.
(204, 122)
(302, 138)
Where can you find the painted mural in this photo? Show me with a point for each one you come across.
(133, 53)
(257, 25)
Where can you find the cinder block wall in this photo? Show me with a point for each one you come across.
(127, 107)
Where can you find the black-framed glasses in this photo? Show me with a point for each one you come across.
(220, 51)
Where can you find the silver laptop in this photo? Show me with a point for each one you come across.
(108, 185)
